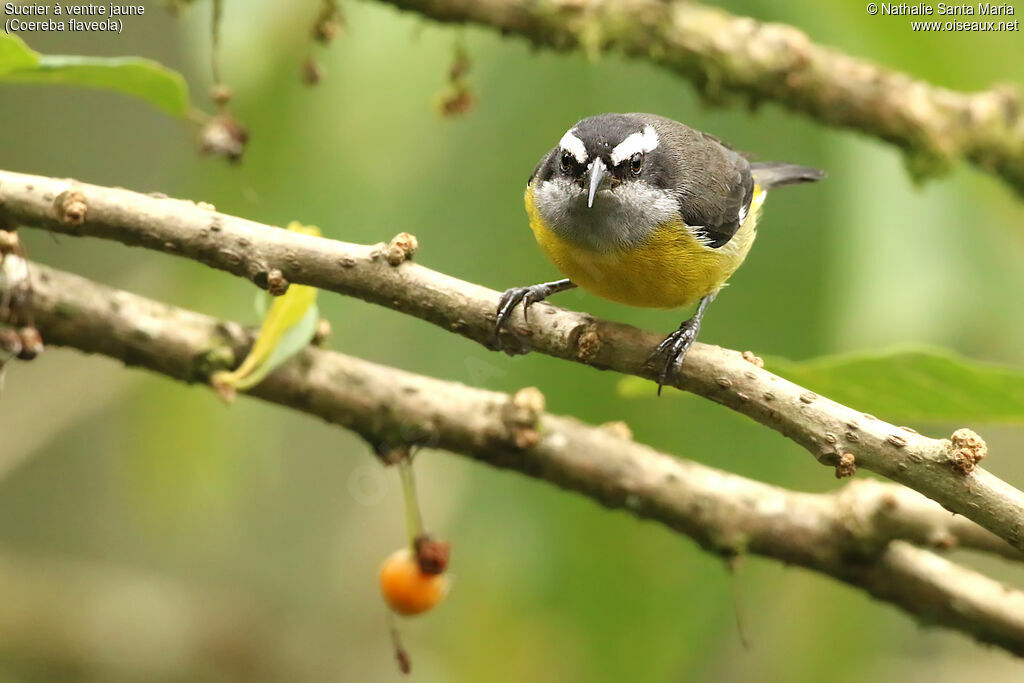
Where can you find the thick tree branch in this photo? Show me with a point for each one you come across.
(725, 54)
(848, 535)
(261, 253)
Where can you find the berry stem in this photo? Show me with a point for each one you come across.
(413, 520)
(401, 655)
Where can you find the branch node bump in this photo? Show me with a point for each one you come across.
(618, 428)
(277, 283)
(10, 343)
(401, 248)
(322, 333)
(754, 360)
(941, 539)
(8, 242)
(521, 414)
(70, 207)
(218, 358)
(31, 343)
(847, 466)
(588, 344)
(967, 449)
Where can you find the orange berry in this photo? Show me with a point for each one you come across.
(408, 589)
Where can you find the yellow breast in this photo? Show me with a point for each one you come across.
(670, 270)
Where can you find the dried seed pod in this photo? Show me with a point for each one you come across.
(312, 71)
(223, 136)
(431, 555)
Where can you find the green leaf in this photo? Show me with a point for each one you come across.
(15, 54)
(905, 384)
(143, 78)
(262, 303)
(292, 341)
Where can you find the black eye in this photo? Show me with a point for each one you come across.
(636, 163)
(566, 162)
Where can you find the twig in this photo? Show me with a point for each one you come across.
(849, 535)
(379, 274)
(725, 54)
(215, 24)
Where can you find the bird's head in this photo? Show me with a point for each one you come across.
(607, 183)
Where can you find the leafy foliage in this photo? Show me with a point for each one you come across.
(145, 79)
(15, 54)
(289, 324)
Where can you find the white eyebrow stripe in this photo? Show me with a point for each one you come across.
(644, 141)
(572, 144)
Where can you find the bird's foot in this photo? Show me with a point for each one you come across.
(671, 352)
(507, 305)
(528, 296)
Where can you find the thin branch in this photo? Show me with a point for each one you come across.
(848, 535)
(215, 23)
(725, 54)
(262, 253)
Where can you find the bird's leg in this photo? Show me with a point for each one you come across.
(529, 296)
(675, 346)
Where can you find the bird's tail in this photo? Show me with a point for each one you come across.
(769, 174)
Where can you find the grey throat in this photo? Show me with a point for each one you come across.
(621, 218)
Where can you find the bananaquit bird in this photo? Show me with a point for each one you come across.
(646, 211)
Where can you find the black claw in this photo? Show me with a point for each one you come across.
(676, 345)
(506, 305)
(673, 350)
(528, 296)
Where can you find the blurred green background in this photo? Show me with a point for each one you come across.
(113, 473)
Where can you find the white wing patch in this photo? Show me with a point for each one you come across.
(644, 141)
(703, 239)
(755, 203)
(573, 145)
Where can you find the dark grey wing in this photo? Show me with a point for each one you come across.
(716, 221)
(713, 184)
(716, 216)
(769, 174)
